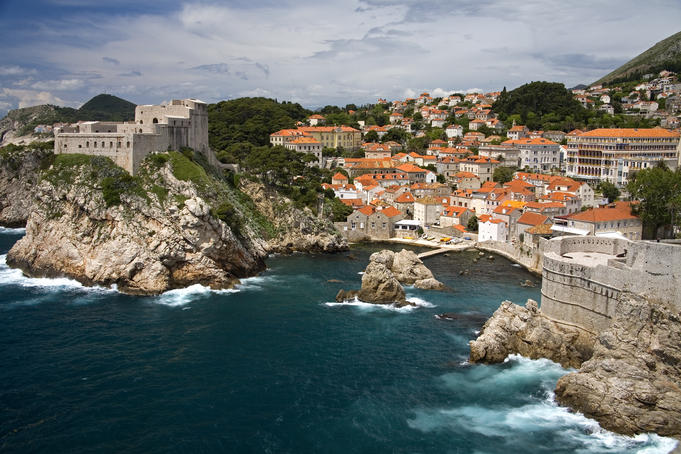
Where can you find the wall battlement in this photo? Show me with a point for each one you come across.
(583, 277)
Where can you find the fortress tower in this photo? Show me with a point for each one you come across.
(181, 123)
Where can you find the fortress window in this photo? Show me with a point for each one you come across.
(87, 144)
(64, 145)
(110, 144)
(94, 144)
(80, 146)
(141, 122)
(127, 144)
(155, 120)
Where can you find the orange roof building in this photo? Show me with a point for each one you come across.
(613, 154)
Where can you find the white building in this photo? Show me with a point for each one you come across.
(491, 229)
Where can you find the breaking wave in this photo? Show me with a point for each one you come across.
(537, 414)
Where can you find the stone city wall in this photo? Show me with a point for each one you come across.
(585, 296)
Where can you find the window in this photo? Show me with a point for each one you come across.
(155, 120)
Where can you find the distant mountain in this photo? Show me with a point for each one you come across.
(22, 122)
(107, 108)
(664, 55)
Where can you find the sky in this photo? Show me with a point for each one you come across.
(316, 53)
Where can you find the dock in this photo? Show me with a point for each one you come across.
(442, 250)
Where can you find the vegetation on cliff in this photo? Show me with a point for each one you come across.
(664, 55)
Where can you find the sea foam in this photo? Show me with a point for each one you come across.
(370, 307)
(183, 296)
(11, 276)
(539, 414)
(13, 231)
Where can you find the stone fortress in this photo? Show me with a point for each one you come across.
(181, 123)
(583, 277)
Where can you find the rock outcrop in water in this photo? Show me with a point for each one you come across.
(526, 331)
(20, 168)
(382, 278)
(171, 226)
(629, 375)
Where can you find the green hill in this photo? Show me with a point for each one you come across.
(250, 120)
(21, 122)
(547, 105)
(664, 55)
(107, 108)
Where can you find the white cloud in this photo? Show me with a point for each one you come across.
(59, 85)
(318, 53)
(13, 70)
(27, 98)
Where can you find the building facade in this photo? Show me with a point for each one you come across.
(613, 154)
(181, 123)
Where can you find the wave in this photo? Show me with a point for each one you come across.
(183, 296)
(256, 282)
(536, 414)
(12, 276)
(13, 231)
(370, 307)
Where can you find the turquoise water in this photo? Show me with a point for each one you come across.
(277, 366)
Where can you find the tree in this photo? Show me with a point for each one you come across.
(371, 136)
(503, 174)
(472, 225)
(441, 178)
(658, 191)
(609, 191)
(339, 210)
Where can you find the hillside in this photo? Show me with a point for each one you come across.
(664, 55)
(547, 105)
(250, 120)
(21, 122)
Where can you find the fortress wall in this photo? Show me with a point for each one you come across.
(530, 259)
(118, 147)
(572, 293)
(585, 296)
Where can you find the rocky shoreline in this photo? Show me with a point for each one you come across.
(87, 219)
(628, 376)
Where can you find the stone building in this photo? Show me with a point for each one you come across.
(427, 210)
(181, 123)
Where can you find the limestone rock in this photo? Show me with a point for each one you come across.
(379, 285)
(429, 284)
(408, 268)
(632, 383)
(141, 245)
(19, 174)
(296, 230)
(526, 331)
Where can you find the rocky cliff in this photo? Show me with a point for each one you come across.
(294, 230)
(629, 375)
(173, 225)
(632, 383)
(20, 168)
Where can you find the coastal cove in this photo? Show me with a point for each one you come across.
(275, 365)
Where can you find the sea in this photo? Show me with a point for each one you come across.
(277, 366)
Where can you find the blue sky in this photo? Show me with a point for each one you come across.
(313, 52)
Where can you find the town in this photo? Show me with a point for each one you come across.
(476, 178)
